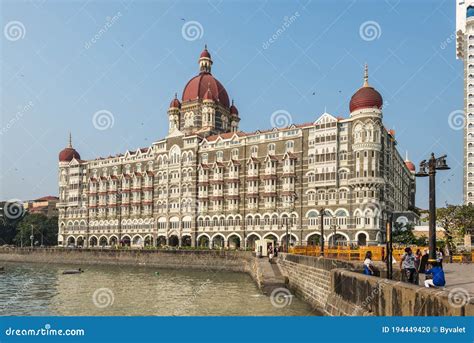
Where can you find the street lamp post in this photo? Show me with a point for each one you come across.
(321, 226)
(432, 165)
(32, 237)
(389, 246)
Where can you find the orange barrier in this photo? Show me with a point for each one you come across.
(358, 254)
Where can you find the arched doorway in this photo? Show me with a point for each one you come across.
(71, 241)
(362, 239)
(291, 239)
(186, 241)
(337, 240)
(113, 241)
(148, 241)
(93, 242)
(313, 239)
(218, 242)
(234, 242)
(173, 241)
(203, 242)
(125, 241)
(161, 241)
(80, 241)
(103, 241)
(251, 239)
(137, 241)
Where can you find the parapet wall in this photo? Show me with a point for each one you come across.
(238, 261)
(338, 288)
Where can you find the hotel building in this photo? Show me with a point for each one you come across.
(209, 184)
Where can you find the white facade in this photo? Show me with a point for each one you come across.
(465, 51)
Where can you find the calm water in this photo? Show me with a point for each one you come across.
(36, 289)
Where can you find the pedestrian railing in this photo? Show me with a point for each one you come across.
(349, 253)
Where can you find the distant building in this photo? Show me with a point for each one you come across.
(208, 184)
(45, 205)
(465, 51)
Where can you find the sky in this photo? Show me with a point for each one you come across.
(107, 71)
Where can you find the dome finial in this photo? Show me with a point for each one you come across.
(70, 140)
(366, 75)
(406, 155)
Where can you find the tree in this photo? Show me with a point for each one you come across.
(455, 220)
(44, 230)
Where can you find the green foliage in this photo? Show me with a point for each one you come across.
(404, 235)
(44, 230)
(455, 220)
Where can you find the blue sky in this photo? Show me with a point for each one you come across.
(58, 78)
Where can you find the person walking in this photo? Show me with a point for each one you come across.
(369, 268)
(407, 264)
(423, 262)
(418, 257)
(439, 257)
(438, 279)
(270, 253)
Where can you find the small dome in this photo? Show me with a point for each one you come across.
(233, 109)
(470, 11)
(411, 167)
(365, 97)
(175, 102)
(68, 153)
(205, 53)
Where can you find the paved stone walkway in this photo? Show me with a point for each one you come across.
(459, 275)
(272, 277)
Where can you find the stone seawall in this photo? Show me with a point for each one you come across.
(338, 288)
(212, 260)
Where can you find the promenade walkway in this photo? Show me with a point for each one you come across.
(272, 277)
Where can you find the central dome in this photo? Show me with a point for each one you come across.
(366, 96)
(198, 86)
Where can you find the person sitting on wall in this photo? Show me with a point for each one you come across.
(369, 268)
(438, 279)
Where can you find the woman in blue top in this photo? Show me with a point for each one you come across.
(368, 264)
(438, 276)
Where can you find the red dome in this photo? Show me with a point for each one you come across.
(205, 53)
(175, 103)
(67, 154)
(233, 109)
(411, 167)
(198, 86)
(366, 97)
(208, 95)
